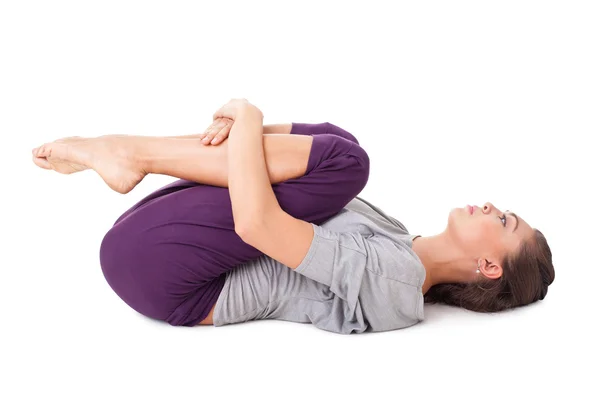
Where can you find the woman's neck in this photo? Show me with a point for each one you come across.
(444, 262)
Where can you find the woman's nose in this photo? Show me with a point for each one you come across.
(488, 207)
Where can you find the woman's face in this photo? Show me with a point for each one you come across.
(488, 232)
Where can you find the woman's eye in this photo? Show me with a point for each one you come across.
(503, 218)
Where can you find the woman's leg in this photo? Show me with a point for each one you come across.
(167, 256)
(123, 160)
(284, 161)
(286, 157)
(295, 128)
(300, 128)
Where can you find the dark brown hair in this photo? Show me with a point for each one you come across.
(526, 275)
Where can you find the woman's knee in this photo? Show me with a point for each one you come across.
(353, 158)
(336, 130)
(364, 163)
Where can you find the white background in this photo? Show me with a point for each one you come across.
(457, 103)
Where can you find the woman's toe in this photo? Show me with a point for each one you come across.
(42, 162)
(45, 150)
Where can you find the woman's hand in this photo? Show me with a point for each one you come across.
(231, 109)
(217, 131)
(223, 120)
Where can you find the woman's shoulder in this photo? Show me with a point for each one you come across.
(395, 260)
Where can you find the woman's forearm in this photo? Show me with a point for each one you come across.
(250, 189)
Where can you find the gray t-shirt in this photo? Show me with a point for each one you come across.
(360, 275)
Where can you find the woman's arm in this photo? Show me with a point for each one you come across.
(258, 218)
(249, 185)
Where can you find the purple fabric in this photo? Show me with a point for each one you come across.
(166, 257)
(299, 128)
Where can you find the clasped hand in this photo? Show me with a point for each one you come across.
(223, 120)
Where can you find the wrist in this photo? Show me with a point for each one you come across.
(249, 109)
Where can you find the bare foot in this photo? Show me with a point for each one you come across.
(111, 156)
(54, 157)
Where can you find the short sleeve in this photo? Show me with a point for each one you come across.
(338, 260)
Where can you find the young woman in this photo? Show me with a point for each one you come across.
(265, 223)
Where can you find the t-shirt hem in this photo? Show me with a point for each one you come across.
(218, 305)
(311, 252)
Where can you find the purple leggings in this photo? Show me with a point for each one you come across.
(166, 257)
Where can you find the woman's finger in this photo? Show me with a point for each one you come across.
(220, 135)
(223, 133)
(212, 125)
(211, 131)
(217, 138)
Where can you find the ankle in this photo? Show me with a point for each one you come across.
(140, 151)
(130, 147)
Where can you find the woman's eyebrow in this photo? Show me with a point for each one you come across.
(516, 219)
